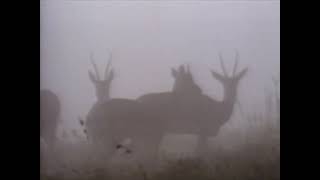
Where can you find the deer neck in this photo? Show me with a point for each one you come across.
(229, 100)
(103, 99)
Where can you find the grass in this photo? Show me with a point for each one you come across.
(255, 156)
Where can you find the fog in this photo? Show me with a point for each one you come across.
(148, 39)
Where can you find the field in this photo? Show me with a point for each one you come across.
(249, 153)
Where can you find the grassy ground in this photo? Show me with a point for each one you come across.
(256, 159)
(254, 156)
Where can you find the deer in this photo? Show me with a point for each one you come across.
(141, 120)
(102, 92)
(50, 108)
(96, 126)
(212, 114)
(194, 112)
(164, 106)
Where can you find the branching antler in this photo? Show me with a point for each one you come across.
(222, 65)
(108, 72)
(236, 63)
(95, 67)
(234, 74)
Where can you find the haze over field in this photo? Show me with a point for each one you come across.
(147, 40)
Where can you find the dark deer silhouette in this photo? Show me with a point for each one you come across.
(147, 119)
(194, 112)
(144, 121)
(211, 114)
(49, 114)
(102, 90)
(163, 107)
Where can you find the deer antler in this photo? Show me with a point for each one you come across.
(222, 65)
(236, 64)
(108, 72)
(94, 66)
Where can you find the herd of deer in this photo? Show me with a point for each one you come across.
(146, 119)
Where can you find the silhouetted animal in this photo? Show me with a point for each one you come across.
(143, 121)
(49, 114)
(194, 112)
(102, 89)
(203, 115)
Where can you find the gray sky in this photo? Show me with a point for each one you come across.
(147, 39)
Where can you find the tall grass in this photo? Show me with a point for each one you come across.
(256, 157)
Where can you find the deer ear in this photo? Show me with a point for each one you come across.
(241, 74)
(217, 76)
(92, 77)
(174, 73)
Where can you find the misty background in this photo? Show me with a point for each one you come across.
(147, 40)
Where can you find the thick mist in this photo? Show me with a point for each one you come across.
(147, 40)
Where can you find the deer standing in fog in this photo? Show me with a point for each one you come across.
(163, 106)
(194, 112)
(144, 121)
(212, 114)
(49, 116)
(102, 92)
(184, 110)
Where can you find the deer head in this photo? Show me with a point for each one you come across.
(184, 82)
(229, 82)
(102, 86)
